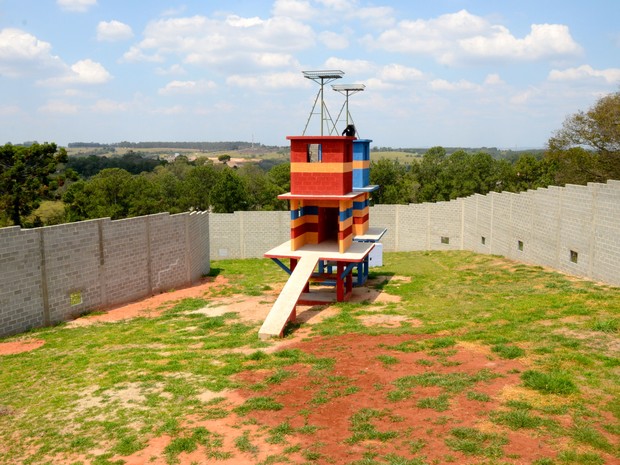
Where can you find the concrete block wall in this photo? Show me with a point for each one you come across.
(247, 234)
(539, 227)
(605, 243)
(49, 275)
(21, 296)
(72, 269)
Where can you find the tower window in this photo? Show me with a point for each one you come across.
(315, 153)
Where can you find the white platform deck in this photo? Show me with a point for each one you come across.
(327, 250)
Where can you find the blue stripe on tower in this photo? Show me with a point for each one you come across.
(345, 214)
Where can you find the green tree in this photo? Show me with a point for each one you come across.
(25, 176)
(197, 187)
(396, 183)
(229, 193)
(108, 194)
(587, 148)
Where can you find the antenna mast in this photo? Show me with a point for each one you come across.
(322, 78)
(346, 90)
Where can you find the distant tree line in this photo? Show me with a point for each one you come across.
(132, 162)
(201, 146)
(585, 149)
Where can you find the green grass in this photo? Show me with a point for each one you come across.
(562, 330)
(549, 383)
(471, 441)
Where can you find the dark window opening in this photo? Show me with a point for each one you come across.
(574, 256)
(483, 240)
(445, 240)
(315, 153)
(520, 245)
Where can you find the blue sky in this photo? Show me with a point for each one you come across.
(444, 72)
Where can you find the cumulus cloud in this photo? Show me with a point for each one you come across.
(112, 31)
(87, 72)
(79, 6)
(462, 36)
(58, 107)
(442, 84)
(109, 106)
(586, 72)
(397, 72)
(201, 40)
(493, 80)
(22, 54)
(350, 66)
(334, 40)
(186, 87)
(298, 9)
(267, 81)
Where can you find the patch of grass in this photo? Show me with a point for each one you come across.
(440, 403)
(441, 343)
(277, 434)
(244, 444)
(571, 457)
(508, 351)
(479, 396)
(471, 441)
(398, 395)
(584, 433)
(452, 382)
(387, 359)
(258, 404)
(607, 325)
(279, 376)
(517, 419)
(364, 430)
(549, 383)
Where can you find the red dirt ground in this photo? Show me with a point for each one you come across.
(318, 406)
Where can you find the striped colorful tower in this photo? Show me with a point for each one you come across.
(329, 195)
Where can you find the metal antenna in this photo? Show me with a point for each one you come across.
(321, 78)
(346, 90)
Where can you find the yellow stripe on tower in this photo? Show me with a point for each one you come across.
(361, 164)
(321, 167)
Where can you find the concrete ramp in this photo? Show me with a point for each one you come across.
(287, 300)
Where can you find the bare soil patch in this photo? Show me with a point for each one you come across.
(343, 414)
(17, 347)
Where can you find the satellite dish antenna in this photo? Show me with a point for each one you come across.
(322, 77)
(346, 90)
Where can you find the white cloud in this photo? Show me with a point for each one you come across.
(238, 21)
(380, 16)
(493, 80)
(79, 6)
(584, 73)
(9, 110)
(200, 40)
(462, 36)
(109, 106)
(543, 41)
(173, 110)
(187, 87)
(297, 9)
(267, 81)
(58, 107)
(175, 69)
(87, 72)
(333, 40)
(442, 84)
(397, 72)
(22, 54)
(350, 66)
(112, 31)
